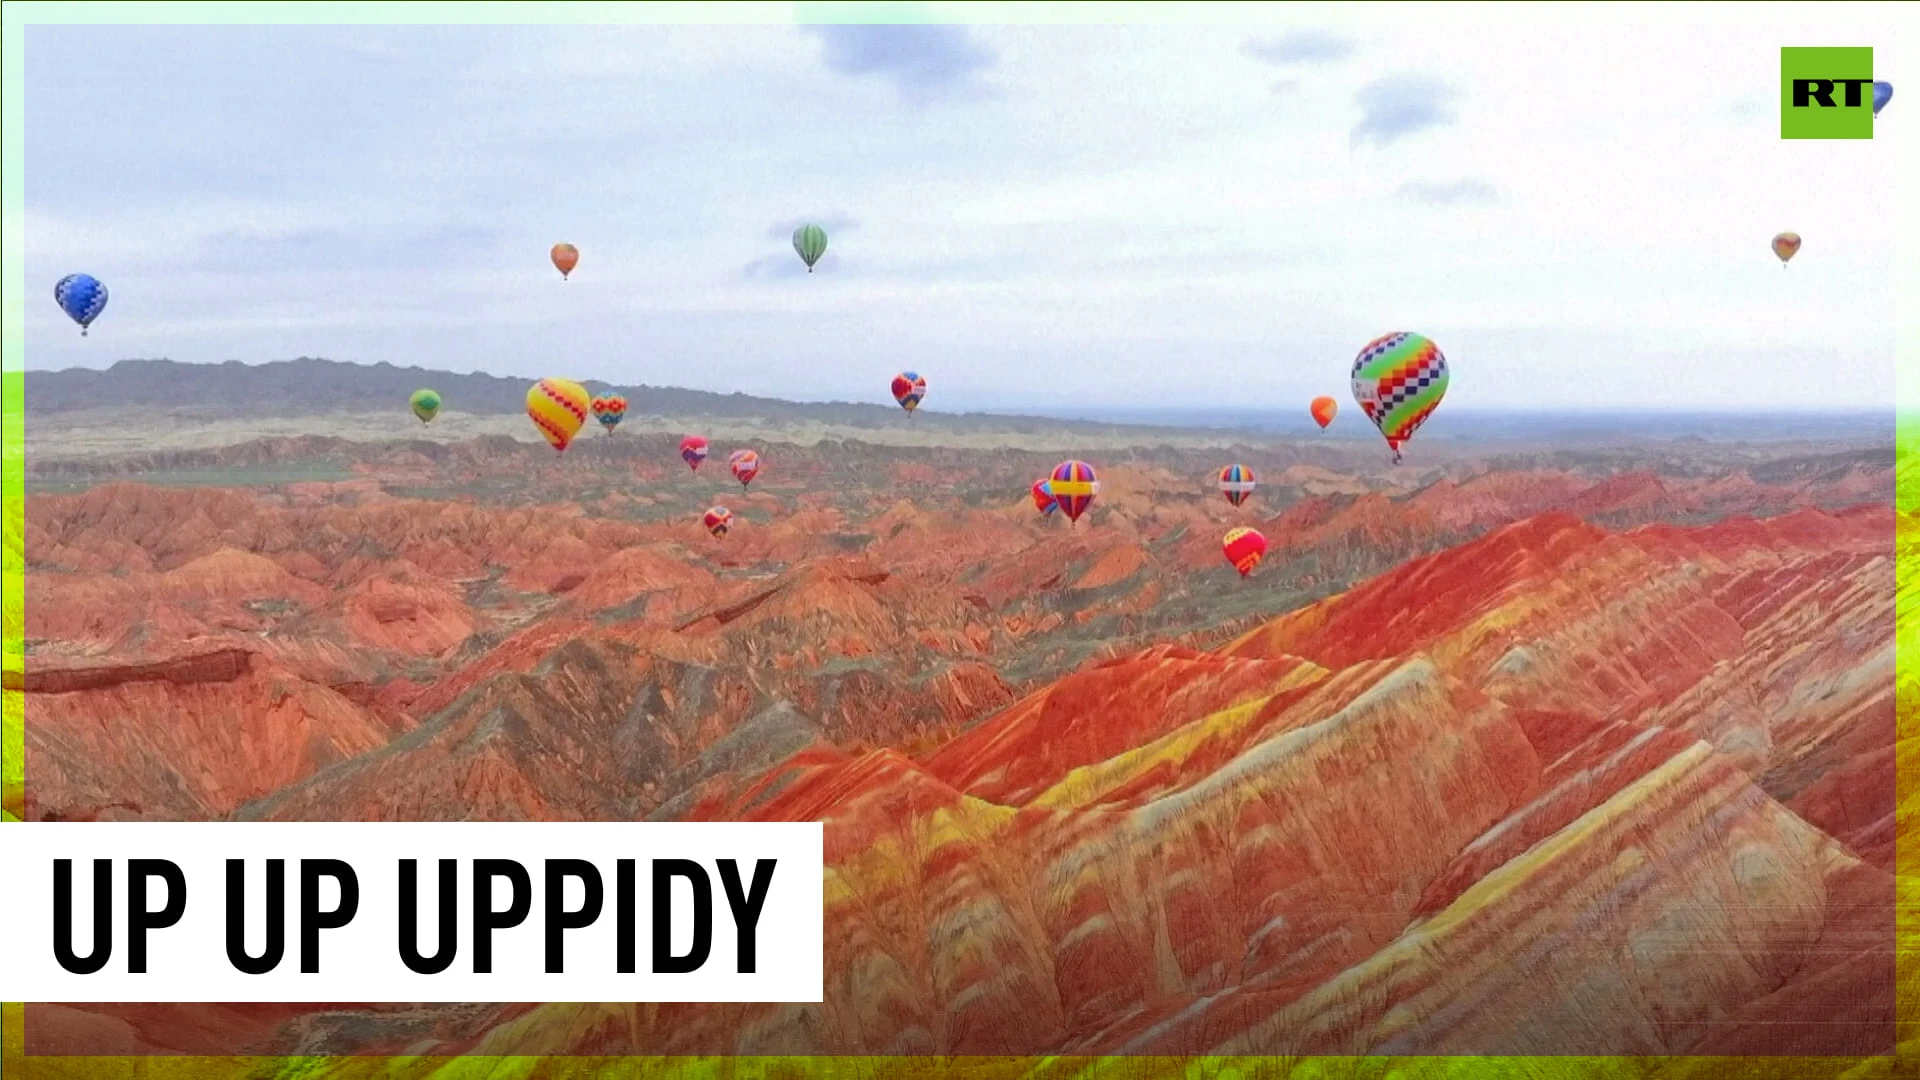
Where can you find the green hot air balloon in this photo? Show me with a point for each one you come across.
(811, 242)
(425, 405)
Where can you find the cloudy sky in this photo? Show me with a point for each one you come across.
(1038, 216)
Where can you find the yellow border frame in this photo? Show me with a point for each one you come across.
(15, 16)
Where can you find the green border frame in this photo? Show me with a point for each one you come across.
(13, 1060)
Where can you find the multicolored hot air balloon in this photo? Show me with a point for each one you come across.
(1236, 483)
(1323, 410)
(1244, 548)
(744, 465)
(811, 242)
(425, 405)
(558, 407)
(609, 410)
(718, 520)
(693, 451)
(1074, 486)
(908, 389)
(565, 258)
(1399, 379)
(1785, 246)
(1882, 93)
(82, 297)
(1043, 499)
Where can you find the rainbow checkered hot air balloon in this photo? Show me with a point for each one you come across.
(1244, 548)
(744, 465)
(718, 520)
(1074, 486)
(558, 407)
(1236, 483)
(1399, 379)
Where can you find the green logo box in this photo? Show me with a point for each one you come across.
(1826, 93)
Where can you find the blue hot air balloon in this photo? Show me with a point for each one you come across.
(1882, 93)
(82, 297)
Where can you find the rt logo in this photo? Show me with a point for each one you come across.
(1826, 93)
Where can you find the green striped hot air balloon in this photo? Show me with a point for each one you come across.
(425, 405)
(811, 242)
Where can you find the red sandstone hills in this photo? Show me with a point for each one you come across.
(1513, 760)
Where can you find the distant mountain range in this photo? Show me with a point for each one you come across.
(309, 386)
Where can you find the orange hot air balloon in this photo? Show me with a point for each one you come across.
(1244, 548)
(1323, 409)
(565, 258)
(1785, 246)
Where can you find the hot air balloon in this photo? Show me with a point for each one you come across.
(425, 405)
(744, 465)
(1043, 499)
(811, 242)
(82, 297)
(1074, 486)
(693, 451)
(719, 519)
(1236, 483)
(908, 389)
(610, 410)
(565, 258)
(558, 407)
(1399, 379)
(1244, 548)
(1323, 409)
(1882, 93)
(1786, 245)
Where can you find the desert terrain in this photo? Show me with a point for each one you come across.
(1510, 749)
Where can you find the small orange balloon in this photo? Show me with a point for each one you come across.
(1323, 409)
(565, 258)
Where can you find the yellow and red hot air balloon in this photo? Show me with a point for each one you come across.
(1236, 483)
(1244, 548)
(565, 258)
(558, 407)
(1785, 246)
(718, 520)
(1323, 409)
(1074, 486)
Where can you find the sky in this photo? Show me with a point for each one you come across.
(1577, 211)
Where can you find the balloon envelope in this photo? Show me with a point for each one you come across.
(1882, 93)
(82, 297)
(1785, 246)
(908, 389)
(558, 407)
(1043, 499)
(718, 520)
(1399, 379)
(565, 258)
(744, 465)
(1236, 483)
(693, 451)
(1323, 410)
(1074, 485)
(610, 410)
(425, 404)
(811, 243)
(1244, 548)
